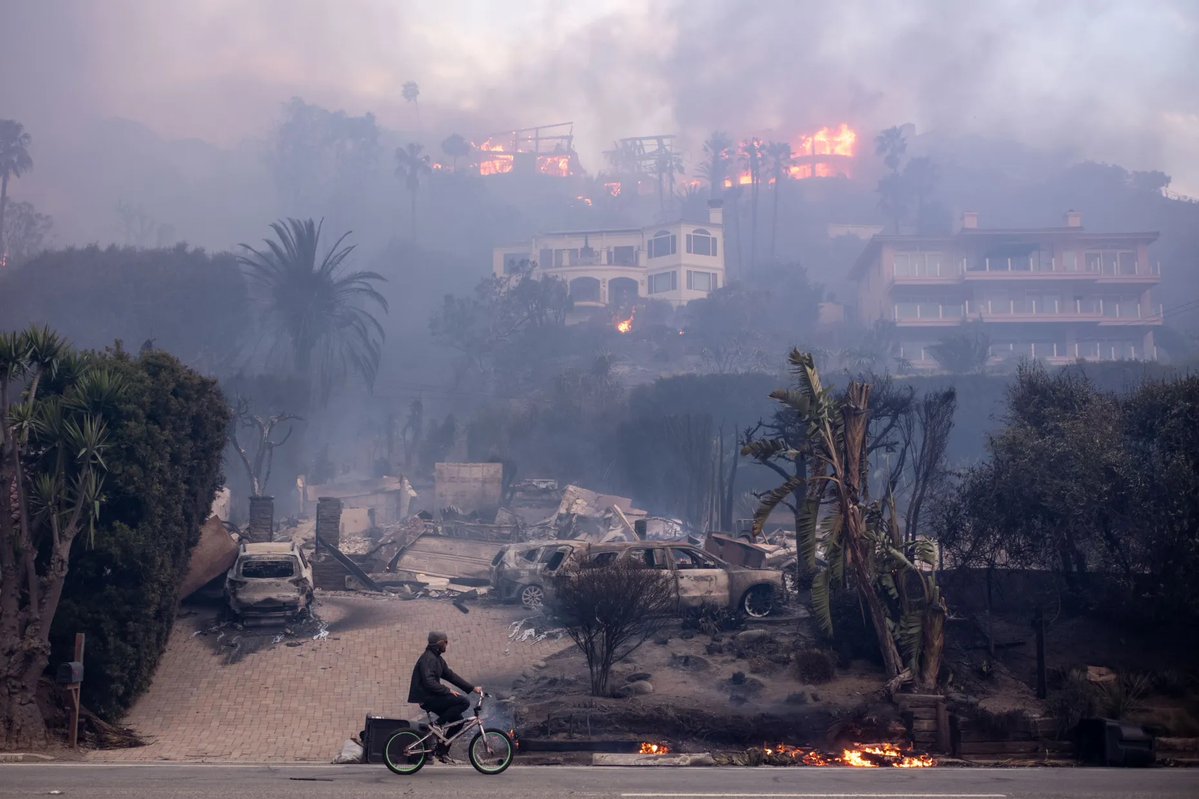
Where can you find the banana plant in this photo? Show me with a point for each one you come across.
(860, 540)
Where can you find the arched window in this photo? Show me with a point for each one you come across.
(701, 242)
(663, 243)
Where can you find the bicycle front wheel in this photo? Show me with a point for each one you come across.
(491, 752)
(404, 753)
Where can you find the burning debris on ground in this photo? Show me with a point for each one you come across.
(880, 755)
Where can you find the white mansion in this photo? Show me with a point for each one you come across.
(676, 262)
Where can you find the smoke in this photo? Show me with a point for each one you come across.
(1114, 81)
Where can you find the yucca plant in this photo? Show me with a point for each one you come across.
(52, 442)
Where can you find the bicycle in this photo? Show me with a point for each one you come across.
(490, 751)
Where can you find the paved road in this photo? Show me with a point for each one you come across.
(110, 781)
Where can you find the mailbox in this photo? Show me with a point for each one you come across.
(70, 673)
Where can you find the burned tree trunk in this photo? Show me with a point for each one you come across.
(855, 415)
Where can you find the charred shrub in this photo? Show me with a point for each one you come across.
(609, 611)
(711, 620)
(814, 666)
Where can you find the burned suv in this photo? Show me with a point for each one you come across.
(699, 577)
(269, 581)
(525, 572)
(521, 571)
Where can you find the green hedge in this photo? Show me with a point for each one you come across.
(164, 465)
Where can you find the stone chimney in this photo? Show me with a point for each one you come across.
(262, 519)
(715, 212)
(1073, 218)
(328, 521)
(970, 220)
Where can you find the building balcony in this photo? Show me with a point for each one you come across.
(1008, 269)
(952, 279)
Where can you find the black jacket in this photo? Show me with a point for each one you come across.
(427, 674)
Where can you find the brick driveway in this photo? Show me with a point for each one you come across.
(273, 702)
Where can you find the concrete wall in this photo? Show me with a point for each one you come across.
(469, 486)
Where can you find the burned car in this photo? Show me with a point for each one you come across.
(522, 571)
(700, 578)
(269, 581)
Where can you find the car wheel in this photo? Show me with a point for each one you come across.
(532, 597)
(758, 601)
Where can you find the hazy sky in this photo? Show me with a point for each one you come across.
(1113, 81)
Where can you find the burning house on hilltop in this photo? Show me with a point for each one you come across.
(1057, 294)
(676, 262)
(545, 149)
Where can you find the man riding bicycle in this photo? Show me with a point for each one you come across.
(427, 690)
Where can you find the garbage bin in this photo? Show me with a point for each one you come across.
(374, 736)
(1106, 742)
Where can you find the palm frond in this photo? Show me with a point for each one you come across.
(822, 601)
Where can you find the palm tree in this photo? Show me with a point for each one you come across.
(919, 183)
(753, 153)
(891, 145)
(778, 155)
(316, 307)
(14, 161)
(667, 164)
(456, 146)
(411, 166)
(717, 150)
(410, 92)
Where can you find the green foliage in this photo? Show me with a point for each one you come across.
(181, 300)
(167, 431)
(1082, 480)
(316, 308)
(964, 351)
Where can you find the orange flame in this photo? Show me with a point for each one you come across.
(500, 159)
(654, 749)
(626, 325)
(613, 188)
(822, 154)
(862, 756)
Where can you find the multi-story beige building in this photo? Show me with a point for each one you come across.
(676, 262)
(1057, 294)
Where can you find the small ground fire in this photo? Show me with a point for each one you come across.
(879, 755)
(654, 749)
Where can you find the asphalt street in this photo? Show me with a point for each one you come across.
(96, 781)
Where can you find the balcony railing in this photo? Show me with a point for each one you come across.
(1031, 267)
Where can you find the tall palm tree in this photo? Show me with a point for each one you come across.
(315, 306)
(14, 161)
(718, 153)
(667, 164)
(411, 166)
(753, 153)
(410, 92)
(891, 145)
(778, 155)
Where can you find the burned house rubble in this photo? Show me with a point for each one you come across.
(364, 536)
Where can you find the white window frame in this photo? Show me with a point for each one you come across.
(670, 240)
(673, 281)
(697, 235)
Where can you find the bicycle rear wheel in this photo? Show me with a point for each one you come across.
(397, 759)
(491, 752)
